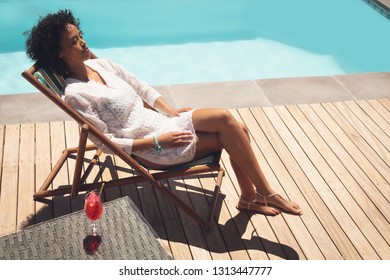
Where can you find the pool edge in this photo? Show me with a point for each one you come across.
(35, 107)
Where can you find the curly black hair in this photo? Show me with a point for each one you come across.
(43, 40)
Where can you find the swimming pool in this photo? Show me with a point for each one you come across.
(191, 41)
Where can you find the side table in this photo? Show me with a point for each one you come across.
(125, 235)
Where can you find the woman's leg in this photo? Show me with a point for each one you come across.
(209, 142)
(233, 137)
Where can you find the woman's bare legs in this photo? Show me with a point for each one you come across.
(209, 142)
(223, 131)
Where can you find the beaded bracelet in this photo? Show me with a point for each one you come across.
(157, 147)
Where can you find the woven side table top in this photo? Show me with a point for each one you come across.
(125, 235)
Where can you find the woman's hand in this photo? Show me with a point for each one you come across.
(176, 113)
(163, 106)
(172, 139)
(182, 110)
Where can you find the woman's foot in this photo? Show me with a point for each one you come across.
(256, 207)
(279, 202)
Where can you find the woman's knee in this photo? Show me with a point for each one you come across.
(213, 120)
(226, 117)
(229, 121)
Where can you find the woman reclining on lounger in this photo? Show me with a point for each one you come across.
(113, 100)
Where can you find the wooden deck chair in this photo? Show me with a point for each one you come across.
(51, 85)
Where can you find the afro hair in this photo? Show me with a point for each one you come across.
(43, 40)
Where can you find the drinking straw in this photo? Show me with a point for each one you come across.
(101, 189)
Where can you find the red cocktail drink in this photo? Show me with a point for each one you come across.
(93, 208)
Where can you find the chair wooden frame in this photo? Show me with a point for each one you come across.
(143, 174)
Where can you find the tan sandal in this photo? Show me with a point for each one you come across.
(266, 202)
(256, 207)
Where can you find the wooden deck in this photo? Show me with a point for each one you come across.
(333, 159)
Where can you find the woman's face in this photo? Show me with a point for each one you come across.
(73, 47)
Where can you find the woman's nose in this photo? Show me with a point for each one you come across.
(83, 43)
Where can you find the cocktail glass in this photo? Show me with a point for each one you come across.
(93, 208)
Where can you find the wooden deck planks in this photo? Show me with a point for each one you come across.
(317, 217)
(170, 219)
(351, 174)
(215, 242)
(71, 140)
(346, 158)
(9, 180)
(370, 147)
(229, 227)
(370, 172)
(43, 210)
(332, 158)
(61, 205)
(2, 137)
(267, 158)
(317, 152)
(26, 185)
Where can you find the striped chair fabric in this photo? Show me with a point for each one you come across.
(52, 80)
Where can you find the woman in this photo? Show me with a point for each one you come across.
(113, 100)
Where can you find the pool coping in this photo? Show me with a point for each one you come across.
(35, 107)
(382, 6)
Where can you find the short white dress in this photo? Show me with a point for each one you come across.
(117, 110)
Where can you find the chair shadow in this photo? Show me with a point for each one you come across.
(237, 243)
(229, 234)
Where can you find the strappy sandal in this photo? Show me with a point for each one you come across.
(269, 203)
(256, 207)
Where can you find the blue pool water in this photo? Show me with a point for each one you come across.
(190, 41)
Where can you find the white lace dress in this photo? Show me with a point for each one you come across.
(117, 110)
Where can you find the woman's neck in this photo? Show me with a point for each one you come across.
(79, 72)
(85, 74)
